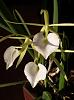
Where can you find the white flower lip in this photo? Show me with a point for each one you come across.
(35, 73)
(53, 39)
(10, 55)
(46, 48)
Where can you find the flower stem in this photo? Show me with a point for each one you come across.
(11, 84)
(66, 51)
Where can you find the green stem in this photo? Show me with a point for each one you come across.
(62, 24)
(35, 24)
(6, 37)
(66, 51)
(55, 15)
(11, 84)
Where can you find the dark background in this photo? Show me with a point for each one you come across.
(30, 11)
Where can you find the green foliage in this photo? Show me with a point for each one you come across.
(46, 96)
(23, 51)
(55, 15)
(61, 79)
(21, 19)
(5, 14)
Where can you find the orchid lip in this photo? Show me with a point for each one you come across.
(10, 55)
(46, 46)
(35, 73)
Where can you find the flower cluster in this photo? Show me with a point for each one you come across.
(44, 46)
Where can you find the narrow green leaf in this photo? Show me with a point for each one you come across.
(18, 37)
(9, 25)
(61, 24)
(11, 84)
(55, 15)
(41, 59)
(46, 96)
(33, 24)
(6, 37)
(15, 17)
(61, 79)
(4, 27)
(25, 26)
(5, 14)
(5, 10)
(31, 53)
(19, 27)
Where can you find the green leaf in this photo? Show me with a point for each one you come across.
(5, 10)
(8, 24)
(46, 96)
(17, 37)
(41, 59)
(6, 37)
(19, 27)
(25, 26)
(61, 79)
(5, 15)
(65, 41)
(11, 84)
(55, 15)
(5, 27)
(31, 53)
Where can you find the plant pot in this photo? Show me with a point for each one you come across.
(27, 94)
(31, 93)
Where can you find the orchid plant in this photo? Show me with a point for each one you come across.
(43, 48)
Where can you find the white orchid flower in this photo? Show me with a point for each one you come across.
(35, 73)
(46, 47)
(10, 55)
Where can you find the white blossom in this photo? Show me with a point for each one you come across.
(35, 73)
(46, 46)
(10, 55)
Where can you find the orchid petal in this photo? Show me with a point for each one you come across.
(41, 75)
(10, 55)
(45, 48)
(35, 73)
